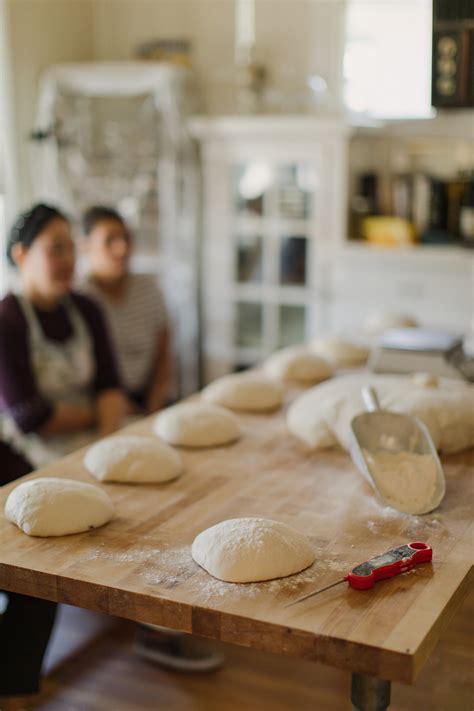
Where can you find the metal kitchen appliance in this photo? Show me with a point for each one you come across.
(409, 350)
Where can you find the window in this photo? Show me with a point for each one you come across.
(387, 61)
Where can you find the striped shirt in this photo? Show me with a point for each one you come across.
(135, 322)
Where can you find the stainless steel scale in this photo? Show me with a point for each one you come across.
(409, 350)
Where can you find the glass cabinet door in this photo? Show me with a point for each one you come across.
(272, 222)
(249, 325)
(249, 258)
(291, 325)
(293, 256)
(251, 185)
(296, 185)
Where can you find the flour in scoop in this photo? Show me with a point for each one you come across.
(406, 480)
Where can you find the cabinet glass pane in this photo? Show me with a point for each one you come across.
(249, 325)
(249, 258)
(293, 252)
(296, 183)
(291, 325)
(252, 180)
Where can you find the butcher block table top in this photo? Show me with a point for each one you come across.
(139, 566)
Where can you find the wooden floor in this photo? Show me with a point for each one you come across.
(91, 667)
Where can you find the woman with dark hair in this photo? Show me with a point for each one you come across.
(59, 389)
(59, 385)
(26, 623)
(134, 307)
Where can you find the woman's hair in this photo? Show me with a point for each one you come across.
(97, 214)
(29, 224)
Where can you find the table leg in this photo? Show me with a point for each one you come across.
(369, 693)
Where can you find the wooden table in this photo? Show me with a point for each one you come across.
(139, 565)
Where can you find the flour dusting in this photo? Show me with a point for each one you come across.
(165, 569)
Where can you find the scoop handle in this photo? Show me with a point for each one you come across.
(371, 401)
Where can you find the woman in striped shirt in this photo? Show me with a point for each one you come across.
(134, 307)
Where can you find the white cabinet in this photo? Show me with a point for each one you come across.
(273, 190)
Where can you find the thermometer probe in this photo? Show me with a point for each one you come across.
(394, 562)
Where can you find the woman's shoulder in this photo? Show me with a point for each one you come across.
(87, 305)
(143, 282)
(88, 287)
(13, 325)
(10, 311)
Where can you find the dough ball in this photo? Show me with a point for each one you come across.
(250, 392)
(247, 550)
(57, 507)
(133, 459)
(321, 417)
(339, 352)
(425, 380)
(299, 364)
(378, 322)
(197, 424)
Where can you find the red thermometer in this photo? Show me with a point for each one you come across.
(393, 562)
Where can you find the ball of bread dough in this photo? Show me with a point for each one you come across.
(249, 392)
(57, 507)
(425, 380)
(133, 459)
(299, 364)
(378, 322)
(246, 550)
(339, 352)
(321, 417)
(197, 424)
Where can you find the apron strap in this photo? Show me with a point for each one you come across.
(34, 328)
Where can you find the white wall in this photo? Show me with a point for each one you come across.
(294, 38)
(121, 25)
(8, 172)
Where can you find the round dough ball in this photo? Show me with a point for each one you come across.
(57, 507)
(249, 392)
(133, 459)
(379, 321)
(197, 424)
(339, 352)
(247, 550)
(299, 364)
(425, 380)
(321, 417)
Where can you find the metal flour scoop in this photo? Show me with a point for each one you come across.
(396, 453)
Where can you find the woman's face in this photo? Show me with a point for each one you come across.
(47, 265)
(109, 246)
